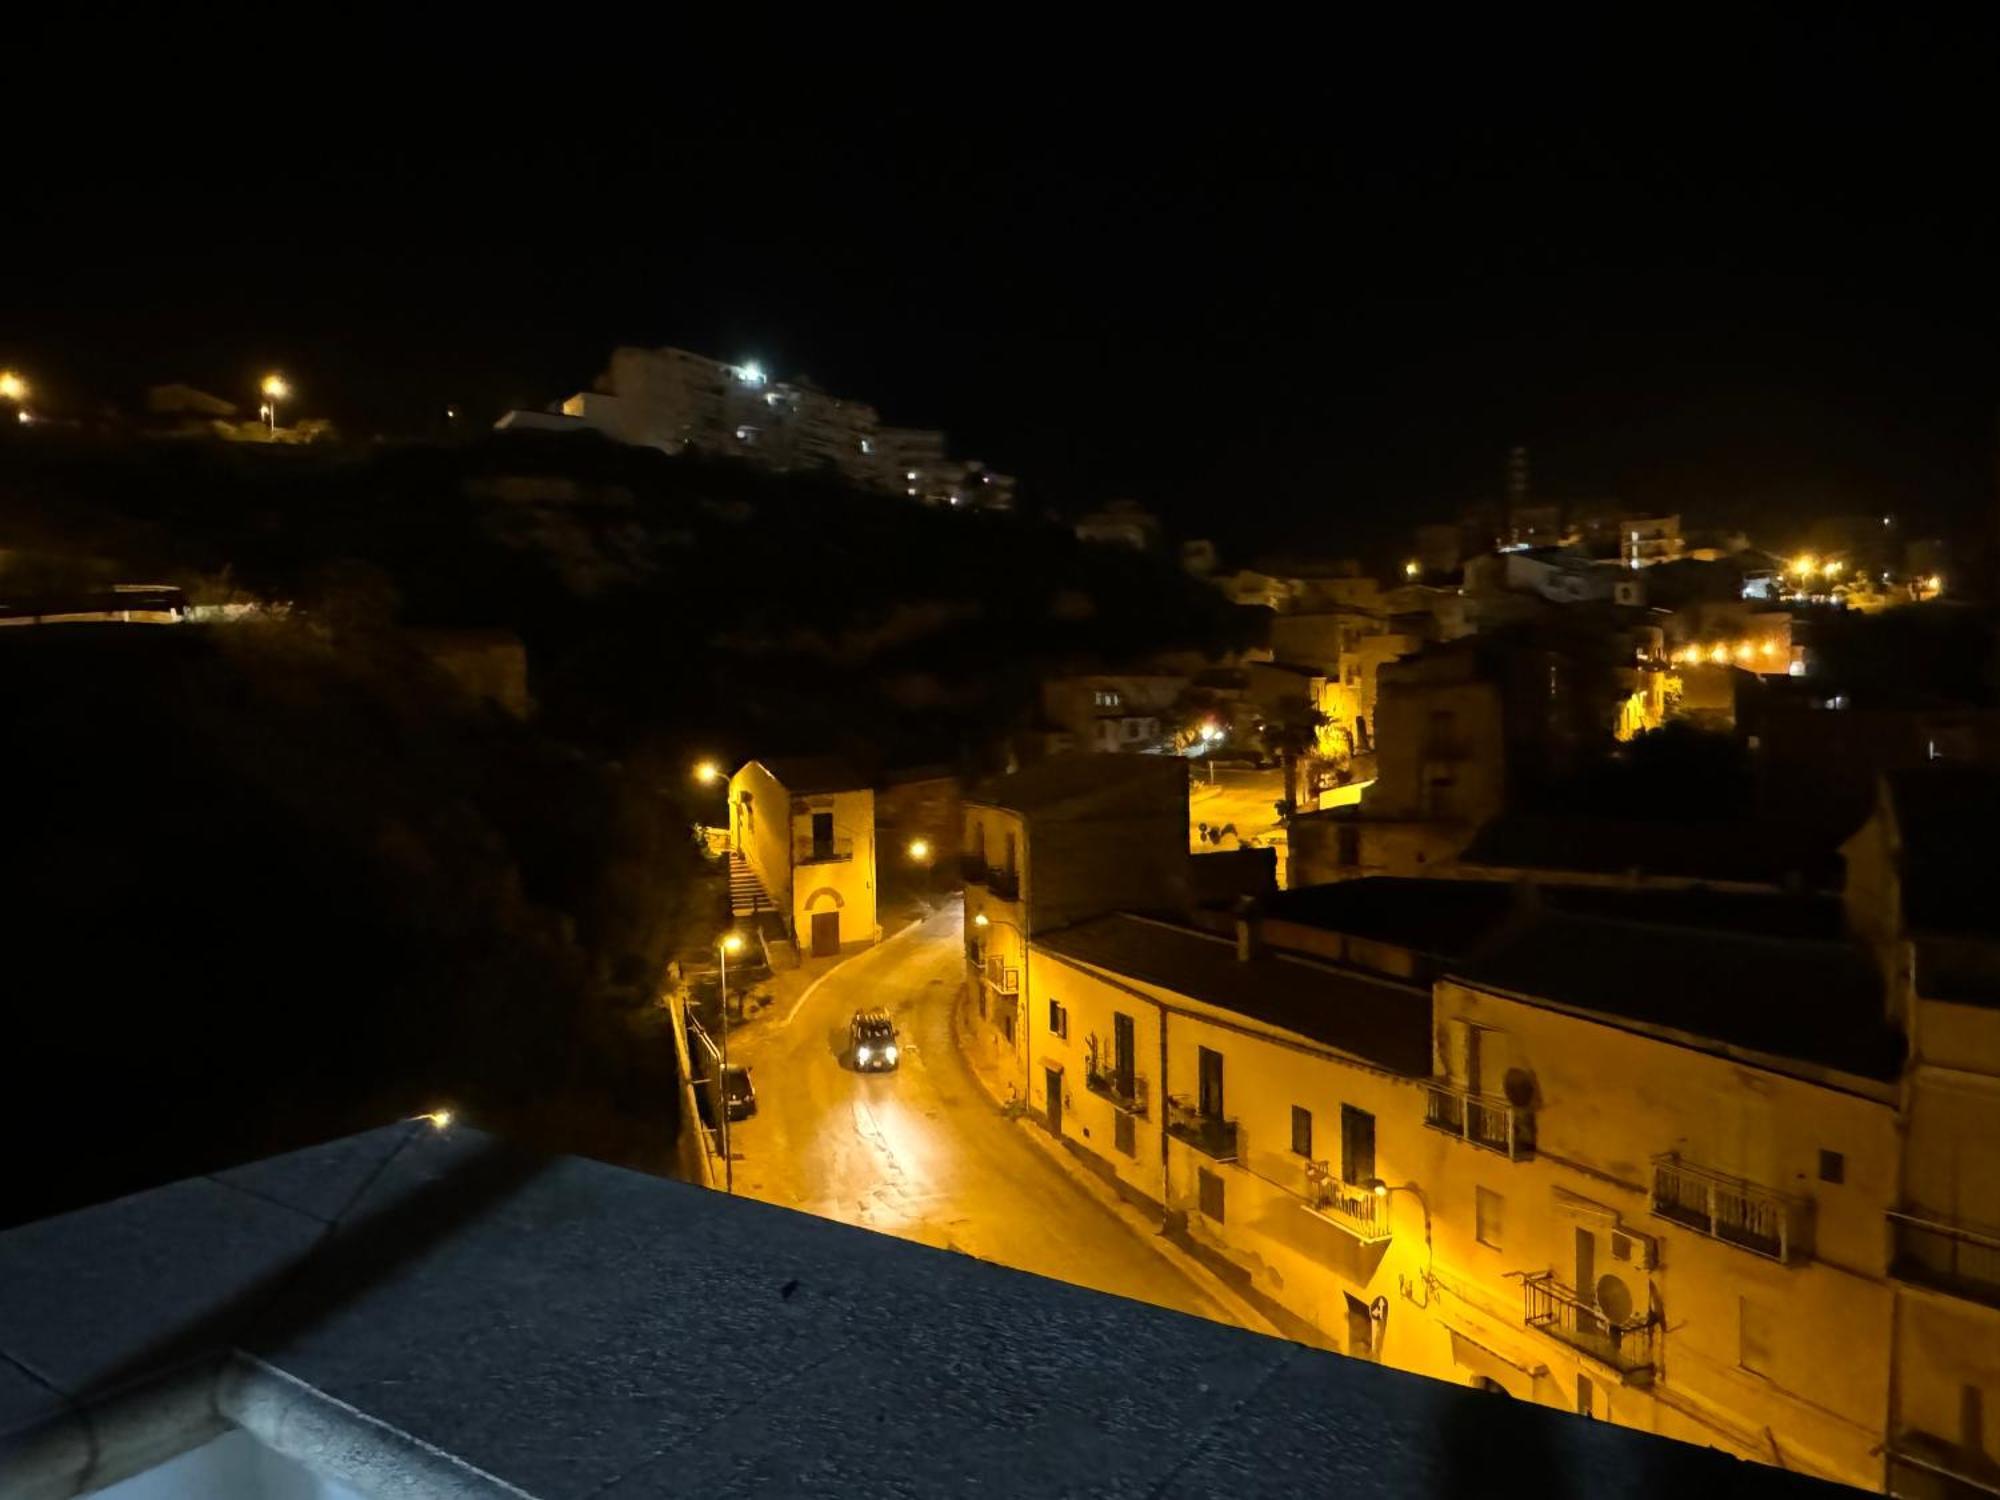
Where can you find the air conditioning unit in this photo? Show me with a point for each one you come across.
(1641, 1250)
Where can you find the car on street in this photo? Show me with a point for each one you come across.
(739, 1095)
(871, 1041)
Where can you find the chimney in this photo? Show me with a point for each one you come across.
(1248, 944)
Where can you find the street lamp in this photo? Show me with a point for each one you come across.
(275, 390)
(706, 772)
(1412, 568)
(1382, 1190)
(13, 388)
(920, 851)
(1021, 1007)
(731, 943)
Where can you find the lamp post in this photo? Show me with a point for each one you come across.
(275, 390)
(1382, 1190)
(731, 943)
(1027, 1023)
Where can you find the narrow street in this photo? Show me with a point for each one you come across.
(922, 1152)
(1239, 797)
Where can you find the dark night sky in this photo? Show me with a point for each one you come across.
(1312, 302)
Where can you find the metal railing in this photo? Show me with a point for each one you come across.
(1486, 1120)
(1006, 884)
(822, 851)
(1127, 1092)
(1206, 1133)
(1561, 1311)
(1002, 977)
(1731, 1209)
(1936, 1252)
(1354, 1209)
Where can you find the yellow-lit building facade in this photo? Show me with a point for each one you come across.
(806, 828)
(1644, 1225)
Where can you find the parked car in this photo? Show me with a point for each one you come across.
(739, 1096)
(871, 1041)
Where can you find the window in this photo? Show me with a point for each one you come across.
(1491, 1211)
(1357, 1146)
(1208, 1073)
(1347, 845)
(1302, 1132)
(1586, 1397)
(1832, 1167)
(1211, 1194)
(1058, 1019)
(1754, 1327)
(1123, 1052)
(1124, 1133)
(1007, 1022)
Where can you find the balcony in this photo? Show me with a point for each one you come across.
(1001, 977)
(1006, 884)
(1625, 1345)
(822, 851)
(972, 868)
(1934, 1252)
(1485, 1120)
(1731, 1209)
(1126, 1090)
(1206, 1133)
(1354, 1209)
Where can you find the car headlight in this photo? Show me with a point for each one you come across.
(862, 1054)
(889, 1054)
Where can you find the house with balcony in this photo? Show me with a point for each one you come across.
(1919, 888)
(1055, 843)
(802, 847)
(1256, 1100)
(1662, 1154)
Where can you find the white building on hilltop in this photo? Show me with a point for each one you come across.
(680, 402)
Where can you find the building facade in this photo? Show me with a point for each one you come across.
(806, 829)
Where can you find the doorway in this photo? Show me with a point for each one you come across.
(1052, 1096)
(822, 835)
(1208, 1075)
(826, 934)
(1360, 1329)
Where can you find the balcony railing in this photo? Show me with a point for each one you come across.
(1354, 1209)
(1002, 977)
(1485, 1120)
(1006, 884)
(1731, 1209)
(972, 868)
(1127, 1092)
(1948, 1257)
(1626, 1346)
(1206, 1133)
(822, 851)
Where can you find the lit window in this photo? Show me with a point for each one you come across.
(866, 446)
(912, 474)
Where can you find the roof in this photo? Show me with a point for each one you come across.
(1382, 1023)
(802, 775)
(1814, 1002)
(1452, 919)
(1071, 778)
(689, 1342)
(1948, 822)
(1746, 852)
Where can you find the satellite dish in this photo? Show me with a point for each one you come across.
(1614, 1299)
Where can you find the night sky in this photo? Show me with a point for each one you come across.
(1744, 280)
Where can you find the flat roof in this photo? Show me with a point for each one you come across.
(1371, 1019)
(1819, 1003)
(1070, 778)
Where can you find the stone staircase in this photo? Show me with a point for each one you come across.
(747, 895)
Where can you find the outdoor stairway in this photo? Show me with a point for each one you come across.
(747, 895)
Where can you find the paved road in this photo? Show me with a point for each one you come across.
(922, 1152)
(1244, 797)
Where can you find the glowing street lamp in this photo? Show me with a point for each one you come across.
(436, 1118)
(13, 388)
(920, 850)
(274, 390)
(1412, 568)
(706, 772)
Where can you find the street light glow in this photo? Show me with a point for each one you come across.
(1412, 568)
(920, 848)
(12, 387)
(439, 1118)
(732, 943)
(1804, 564)
(706, 772)
(274, 386)
(980, 920)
